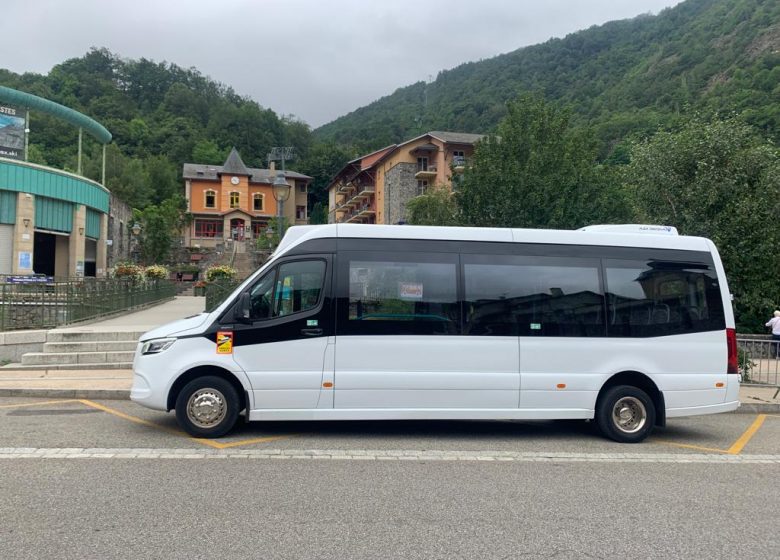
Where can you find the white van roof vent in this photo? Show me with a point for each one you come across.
(632, 228)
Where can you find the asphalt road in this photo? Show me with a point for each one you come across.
(126, 483)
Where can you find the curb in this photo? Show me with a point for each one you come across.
(103, 394)
(759, 408)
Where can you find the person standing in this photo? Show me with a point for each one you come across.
(774, 324)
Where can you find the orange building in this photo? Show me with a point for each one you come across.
(374, 188)
(236, 202)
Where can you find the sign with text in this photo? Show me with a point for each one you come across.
(12, 125)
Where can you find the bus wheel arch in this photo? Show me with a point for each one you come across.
(203, 371)
(635, 380)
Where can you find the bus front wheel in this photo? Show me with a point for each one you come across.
(625, 414)
(207, 407)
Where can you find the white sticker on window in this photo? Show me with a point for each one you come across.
(409, 291)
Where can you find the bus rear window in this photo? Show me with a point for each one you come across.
(658, 298)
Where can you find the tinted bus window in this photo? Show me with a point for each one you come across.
(533, 296)
(657, 298)
(399, 293)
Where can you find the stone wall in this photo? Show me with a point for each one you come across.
(119, 217)
(400, 187)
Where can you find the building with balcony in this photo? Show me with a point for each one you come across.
(236, 202)
(374, 188)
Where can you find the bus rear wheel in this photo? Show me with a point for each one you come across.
(207, 407)
(625, 414)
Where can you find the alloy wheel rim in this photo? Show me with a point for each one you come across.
(206, 408)
(629, 415)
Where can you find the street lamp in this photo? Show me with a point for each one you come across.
(281, 191)
(136, 231)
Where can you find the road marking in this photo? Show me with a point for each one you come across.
(380, 455)
(38, 403)
(143, 422)
(688, 446)
(239, 443)
(736, 447)
(208, 442)
(746, 437)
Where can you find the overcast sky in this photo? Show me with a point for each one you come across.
(316, 59)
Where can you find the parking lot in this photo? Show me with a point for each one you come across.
(87, 424)
(116, 424)
(109, 479)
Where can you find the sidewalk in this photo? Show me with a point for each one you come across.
(147, 319)
(115, 384)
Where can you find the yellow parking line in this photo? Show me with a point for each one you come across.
(38, 403)
(249, 441)
(144, 422)
(749, 433)
(688, 446)
(204, 441)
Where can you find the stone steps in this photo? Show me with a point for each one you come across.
(92, 336)
(74, 358)
(71, 367)
(91, 346)
(82, 349)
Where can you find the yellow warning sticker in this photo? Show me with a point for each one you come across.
(225, 342)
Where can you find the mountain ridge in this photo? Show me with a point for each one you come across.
(695, 54)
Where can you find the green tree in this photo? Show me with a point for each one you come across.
(538, 171)
(207, 152)
(719, 180)
(160, 226)
(436, 207)
(318, 214)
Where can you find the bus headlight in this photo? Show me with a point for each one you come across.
(157, 345)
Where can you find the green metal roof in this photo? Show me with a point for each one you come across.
(91, 126)
(20, 176)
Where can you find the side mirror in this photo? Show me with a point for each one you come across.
(242, 311)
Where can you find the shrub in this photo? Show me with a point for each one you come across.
(221, 272)
(156, 272)
(127, 270)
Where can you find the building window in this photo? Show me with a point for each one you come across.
(458, 158)
(300, 212)
(422, 164)
(258, 202)
(210, 199)
(234, 200)
(302, 187)
(422, 186)
(208, 228)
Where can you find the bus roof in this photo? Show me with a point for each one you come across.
(596, 236)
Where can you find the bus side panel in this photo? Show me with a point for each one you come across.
(686, 368)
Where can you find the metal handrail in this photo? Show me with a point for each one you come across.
(61, 301)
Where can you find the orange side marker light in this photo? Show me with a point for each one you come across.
(719, 384)
(561, 385)
(327, 384)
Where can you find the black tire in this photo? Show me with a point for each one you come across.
(633, 421)
(214, 407)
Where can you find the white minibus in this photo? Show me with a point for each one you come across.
(627, 325)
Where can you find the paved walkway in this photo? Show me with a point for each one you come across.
(180, 307)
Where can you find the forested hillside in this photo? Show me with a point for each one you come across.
(716, 56)
(161, 115)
